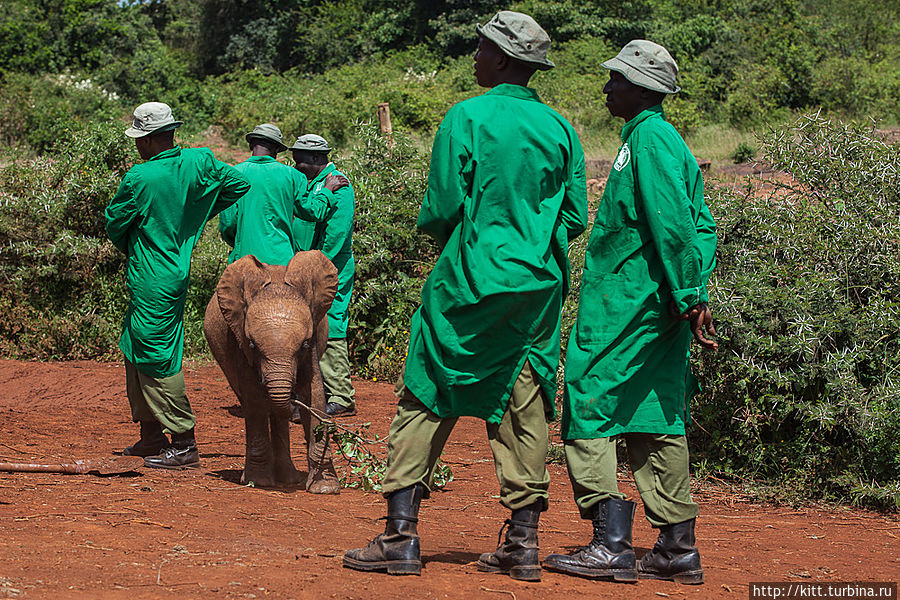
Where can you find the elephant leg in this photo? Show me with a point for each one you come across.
(259, 466)
(285, 472)
(322, 478)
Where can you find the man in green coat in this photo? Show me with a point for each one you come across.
(156, 218)
(333, 235)
(260, 223)
(643, 294)
(506, 193)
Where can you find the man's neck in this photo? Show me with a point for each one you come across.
(638, 110)
(513, 79)
(316, 171)
(261, 151)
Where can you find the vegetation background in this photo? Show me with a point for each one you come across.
(801, 401)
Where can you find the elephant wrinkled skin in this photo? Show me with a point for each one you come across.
(267, 326)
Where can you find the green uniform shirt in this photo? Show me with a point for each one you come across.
(156, 218)
(506, 193)
(333, 235)
(260, 222)
(653, 241)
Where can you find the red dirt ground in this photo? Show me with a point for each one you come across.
(200, 534)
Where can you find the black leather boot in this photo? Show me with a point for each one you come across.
(674, 556)
(518, 554)
(152, 442)
(610, 553)
(397, 549)
(182, 454)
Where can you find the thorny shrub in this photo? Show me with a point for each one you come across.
(392, 258)
(804, 389)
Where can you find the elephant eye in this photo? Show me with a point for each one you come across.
(252, 345)
(305, 345)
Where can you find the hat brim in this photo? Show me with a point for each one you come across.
(257, 136)
(139, 133)
(504, 45)
(638, 78)
(308, 149)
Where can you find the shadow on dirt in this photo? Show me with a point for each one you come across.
(234, 410)
(453, 557)
(234, 476)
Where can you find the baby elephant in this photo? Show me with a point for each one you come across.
(267, 326)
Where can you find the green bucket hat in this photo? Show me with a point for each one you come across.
(518, 36)
(311, 143)
(647, 65)
(267, 132)
(152, 117)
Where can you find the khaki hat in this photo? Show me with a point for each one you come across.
(520, 37)
(151, 117)
(267, 132)
(647, 65)
(312, 143)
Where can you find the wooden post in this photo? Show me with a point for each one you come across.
(384, 117)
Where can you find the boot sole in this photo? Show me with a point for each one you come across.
(687, 578)
(393, 567)
(342, 414)
(621, 575)
(529, 573)
(195, 465)
(142, 453)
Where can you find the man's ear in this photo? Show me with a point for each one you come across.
(503, 60)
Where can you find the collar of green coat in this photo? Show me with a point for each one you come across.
(516, 91)
(261, 159)
(167, 153)
(329, 168)
(653, 111)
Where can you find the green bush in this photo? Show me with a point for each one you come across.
(62, 288)
(744, 152)
(330, 104)
(41, 111)
(392, 258)
(803, 389)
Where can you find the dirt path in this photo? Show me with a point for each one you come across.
(200, 534)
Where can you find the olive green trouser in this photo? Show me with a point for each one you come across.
(519, 444)
(659, 463)
(163, 400)
(335, 367)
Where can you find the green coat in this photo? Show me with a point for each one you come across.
(156, 218)
(260, 222)
(506, 193)
(653, 241)
(333, 235)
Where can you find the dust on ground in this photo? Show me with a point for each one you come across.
(200, 534)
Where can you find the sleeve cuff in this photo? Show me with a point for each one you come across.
(689, 297)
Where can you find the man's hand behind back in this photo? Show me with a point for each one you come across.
(700, 318)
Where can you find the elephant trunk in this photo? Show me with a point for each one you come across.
(279, 383)
(280, 395)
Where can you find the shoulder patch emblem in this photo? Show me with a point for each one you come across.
(623, 158)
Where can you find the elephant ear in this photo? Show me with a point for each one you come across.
(241, 281)
(312, 269)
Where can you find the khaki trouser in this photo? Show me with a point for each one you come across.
(162, 400)
(519, 444)
(335, 367)
(660, 466)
